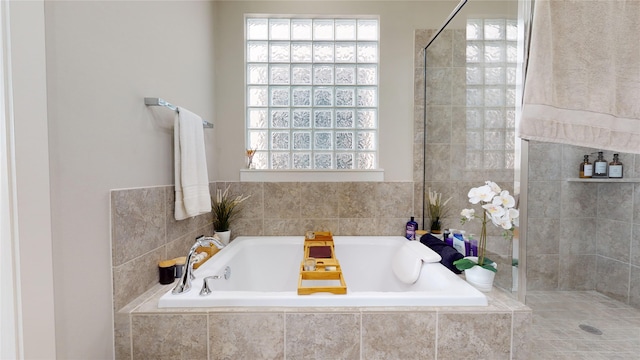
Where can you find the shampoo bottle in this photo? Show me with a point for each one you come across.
(412, 226)
(448, 237)
(458, 242)
(615, 168)
(600, 167)
(586, 168)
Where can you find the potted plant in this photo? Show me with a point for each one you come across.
(498, 207)
(225, 208)
(438, 210)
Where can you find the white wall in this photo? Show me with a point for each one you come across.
(103, 58)
(29, 105)
(398, 20)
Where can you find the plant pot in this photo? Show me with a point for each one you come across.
(436, 226)
(479, 277)
(224, 236)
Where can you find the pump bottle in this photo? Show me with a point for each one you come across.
(586, 168)
(615, 168)
(600, 167)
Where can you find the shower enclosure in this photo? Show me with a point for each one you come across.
(468, 87)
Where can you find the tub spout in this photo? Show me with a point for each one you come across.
(184, 284)
(215, 241)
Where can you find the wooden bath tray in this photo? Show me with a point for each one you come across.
(327, 270)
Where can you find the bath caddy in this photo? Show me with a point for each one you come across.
(327, 274)
(210, 251)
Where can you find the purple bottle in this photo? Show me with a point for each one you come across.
(411, 228)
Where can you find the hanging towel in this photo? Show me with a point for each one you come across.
(583, 79)
(191, 177)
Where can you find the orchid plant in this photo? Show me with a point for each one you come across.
(498, 206)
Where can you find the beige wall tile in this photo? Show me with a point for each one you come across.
(367, 226)
(246, 336)
(577, 272)
(135, 277)
(521, 341)
(169, 337)
(319, 200)
(122, 336)
(474, 336)
(399, 335)
(612, 278)
(394, 199)
(542, 272)
(322, 336)
(615, 201)
(357, 200)
(178, 228)
(613, 239)
(138, 222)
(282, 200)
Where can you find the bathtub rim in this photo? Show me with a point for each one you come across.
(222, 299)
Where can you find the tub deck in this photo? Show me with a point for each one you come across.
(265, 271)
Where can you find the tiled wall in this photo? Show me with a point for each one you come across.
(144, 230)
(582, 235)
(451, 167)
(498, 331)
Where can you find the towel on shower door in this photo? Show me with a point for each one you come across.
(190, 167)
(583, 75)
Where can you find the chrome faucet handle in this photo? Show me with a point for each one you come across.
(206, 289)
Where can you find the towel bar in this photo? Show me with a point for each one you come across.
(149, 101)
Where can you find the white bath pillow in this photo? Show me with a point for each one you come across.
(407, 261)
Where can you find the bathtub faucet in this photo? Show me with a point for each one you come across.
(184, 284)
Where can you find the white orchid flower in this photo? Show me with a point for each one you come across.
(468, 213)
(502, 221)
(494, 210)
(504, 199)
(514, 213)
(482, 193)
(494, 187)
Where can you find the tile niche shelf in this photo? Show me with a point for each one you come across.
(605, 180)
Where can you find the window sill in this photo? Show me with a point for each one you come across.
(251, 175)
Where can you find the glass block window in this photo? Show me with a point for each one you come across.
(312, 92)
(491, 93)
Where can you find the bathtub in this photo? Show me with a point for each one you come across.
(264, 272)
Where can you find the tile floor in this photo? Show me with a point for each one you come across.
(556, 332)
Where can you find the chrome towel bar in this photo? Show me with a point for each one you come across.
(151, 101)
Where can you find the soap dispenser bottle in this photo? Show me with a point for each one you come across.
(615, 168)
(412, 226)
(600, 167)
(586, 168)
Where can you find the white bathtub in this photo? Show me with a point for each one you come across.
(265, 270)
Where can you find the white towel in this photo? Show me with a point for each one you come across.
(407, 261)
(583, 77)
(191, 177)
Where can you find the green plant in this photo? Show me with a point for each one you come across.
(437, 209)
(225, 208)
(498, 206)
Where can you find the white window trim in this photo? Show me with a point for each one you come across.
(328, 175)
(335, 175)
